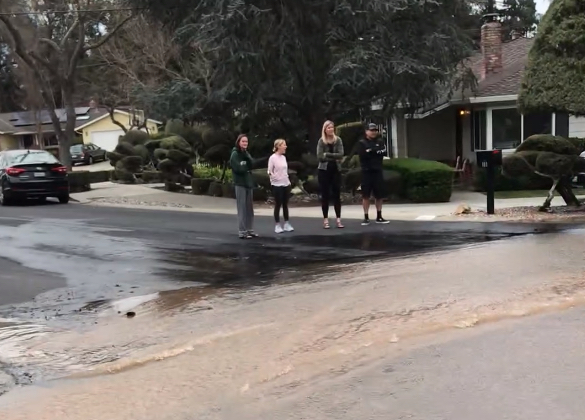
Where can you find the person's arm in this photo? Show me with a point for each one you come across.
(321, 155)
(338, 155)
(238, 166)
(362, 151)
(380, 148)
(271, 165)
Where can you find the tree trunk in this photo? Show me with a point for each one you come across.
(66, 137)
(551, 193)
(566, 191)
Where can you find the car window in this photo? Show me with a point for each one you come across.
(76, 148)
(31, 157)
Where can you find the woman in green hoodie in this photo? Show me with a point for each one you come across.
(241, 164)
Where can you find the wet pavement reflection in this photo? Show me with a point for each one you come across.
(110, 272)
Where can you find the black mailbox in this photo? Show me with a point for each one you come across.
(487, 158)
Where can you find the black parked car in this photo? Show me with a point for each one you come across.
(86, 153)
(32, 174)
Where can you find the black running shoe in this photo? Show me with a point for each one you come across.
(365, 222)
(382, 221)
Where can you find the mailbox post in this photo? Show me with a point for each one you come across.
(489, 159)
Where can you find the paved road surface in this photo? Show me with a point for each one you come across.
(197, 324)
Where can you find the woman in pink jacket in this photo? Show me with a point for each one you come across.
(278, 171)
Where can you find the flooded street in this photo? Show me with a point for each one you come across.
(154, 315)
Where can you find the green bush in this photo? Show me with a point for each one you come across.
(211, 172)
(200, 186)
(578, 142)
(135, 137)
(149, 177)
(228, 190)
(100, 176)
(79, 181)
(311, 185)
(393, 185)
(262, 179)
(350, 134)
(215, 189)
(425, 181)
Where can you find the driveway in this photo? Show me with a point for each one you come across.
(100, 166)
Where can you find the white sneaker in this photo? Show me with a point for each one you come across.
(288, 227)
(278, 229)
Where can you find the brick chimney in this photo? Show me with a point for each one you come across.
(491, 48)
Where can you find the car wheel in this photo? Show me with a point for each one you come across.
(64, 199)
(4, 201)
(90, 160)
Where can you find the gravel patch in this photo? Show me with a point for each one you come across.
(526, 214)
(132, 202)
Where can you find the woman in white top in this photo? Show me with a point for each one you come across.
(278, 171)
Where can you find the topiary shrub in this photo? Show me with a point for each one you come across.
(173, 155)
(352, 180)
(547, 156)
(311, 185)
(260, 194)
(228, 190)
(200, 186)
(262, 179)
(134, 137)
(126, 162)
(79, 181)
(215, 189)
(424, 181)
(151, 177)
(350, 134)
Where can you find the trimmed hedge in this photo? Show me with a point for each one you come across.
(350, 134)
(100, 176)
(425, 181)
(79, 181)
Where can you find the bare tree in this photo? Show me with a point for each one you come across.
(51, 38)
(141, 65)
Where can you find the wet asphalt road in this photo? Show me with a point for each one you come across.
(103, 253)
(519, 370)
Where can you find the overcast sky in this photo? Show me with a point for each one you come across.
(542, 5)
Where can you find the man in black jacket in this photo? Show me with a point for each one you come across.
(372, 151)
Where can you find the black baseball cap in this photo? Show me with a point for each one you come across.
(372, 127)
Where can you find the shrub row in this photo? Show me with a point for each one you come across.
(206, 186)
(424, 181)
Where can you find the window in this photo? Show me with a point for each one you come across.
(76, 148)
(50, 140)
(506, 128)
(31, 157)
(540, 123)
(478, 131)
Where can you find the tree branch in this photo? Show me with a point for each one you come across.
(51, 44)
(108, 35)
(76, 54)
(69, 33)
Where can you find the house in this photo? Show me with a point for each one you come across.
(486, 118)
(34, 129)
(104, 133)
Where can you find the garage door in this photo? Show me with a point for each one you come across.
(107, 140)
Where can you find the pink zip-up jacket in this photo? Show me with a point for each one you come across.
(278, 170)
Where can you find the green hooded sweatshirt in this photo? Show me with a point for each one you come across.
(241, 164)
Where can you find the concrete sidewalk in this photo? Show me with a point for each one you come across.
(149, 197)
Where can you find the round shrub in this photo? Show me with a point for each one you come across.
(215, 189)
(228, 190)
(311, 185)
(200, 186)
(424, 181)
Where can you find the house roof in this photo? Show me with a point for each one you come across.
(506, 82)
(30, 122)
(101, 117)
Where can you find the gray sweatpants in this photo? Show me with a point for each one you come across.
(245, 206)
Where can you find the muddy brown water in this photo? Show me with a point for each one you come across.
(270, 275)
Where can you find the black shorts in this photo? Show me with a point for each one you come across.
(373, 184)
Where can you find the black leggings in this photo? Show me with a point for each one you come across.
(330, 186)
(280, 200)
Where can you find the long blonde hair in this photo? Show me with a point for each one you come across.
(324, 135)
